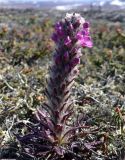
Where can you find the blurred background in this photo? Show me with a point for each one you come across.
(64, 4)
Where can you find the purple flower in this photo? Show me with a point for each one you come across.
(71, 27)
(74, 62)
(67, 68)
(85, 32)
(76, 24)
(59, 28)
(84, 39)
(79, 35)
(86, 25)
(66, 56)
(57, 59)
(57, 25)
(54, 37)
(67, 41)
(86, 42)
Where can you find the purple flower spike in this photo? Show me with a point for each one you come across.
(53, 131)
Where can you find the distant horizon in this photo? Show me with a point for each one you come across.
(65, 2)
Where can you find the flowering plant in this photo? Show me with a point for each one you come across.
(53, 131)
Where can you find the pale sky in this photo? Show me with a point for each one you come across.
(4, 1)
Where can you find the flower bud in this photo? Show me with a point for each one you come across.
(67, 41)
(66, 56)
